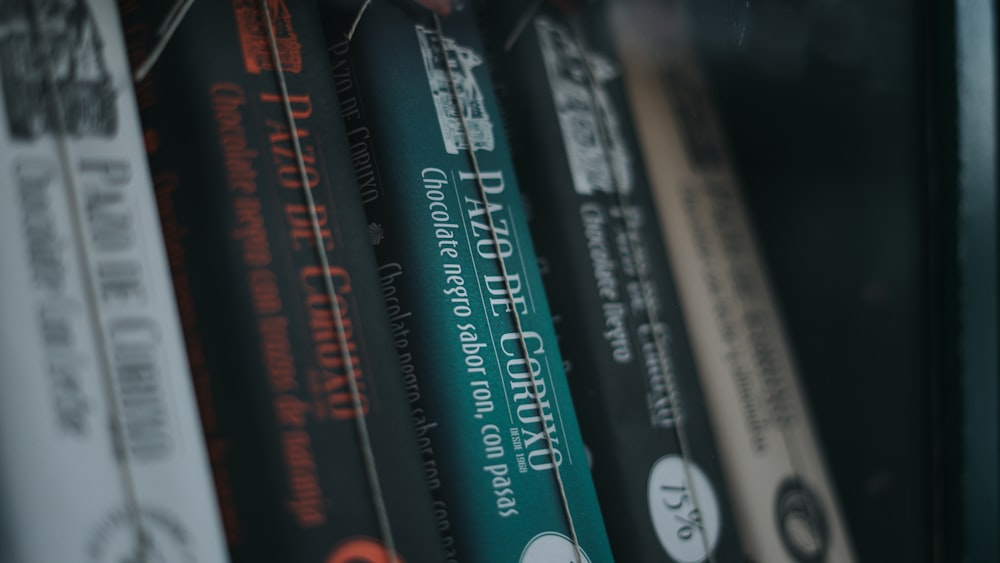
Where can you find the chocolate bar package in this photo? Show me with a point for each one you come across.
(608, 278)
(782, 493)
(102, 458)
(279, 298)
(497, 428)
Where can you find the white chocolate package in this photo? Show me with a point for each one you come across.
(102, 458)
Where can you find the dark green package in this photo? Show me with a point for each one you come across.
(460, 276)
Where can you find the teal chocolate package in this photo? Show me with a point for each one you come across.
(618, 318)
(471, 322)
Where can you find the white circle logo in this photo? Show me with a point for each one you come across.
(687, 531)
(550, 547)
(157, 537)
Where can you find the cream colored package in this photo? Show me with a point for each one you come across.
(782, 492)
(102, 458)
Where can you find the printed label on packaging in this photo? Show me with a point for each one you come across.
(684, 509)
(583, 111)
(461, 61)
(100, 420)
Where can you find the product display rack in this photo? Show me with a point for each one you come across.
(865, 138)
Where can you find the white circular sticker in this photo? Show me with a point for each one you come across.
(551, 547)
(688, 532)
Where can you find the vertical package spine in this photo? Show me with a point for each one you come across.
(782, 493)
(620, 328)
(497, 428)
(99, 433)
(239, 142)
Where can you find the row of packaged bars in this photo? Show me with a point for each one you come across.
(384, 282)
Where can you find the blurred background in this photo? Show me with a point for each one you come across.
(864, 133)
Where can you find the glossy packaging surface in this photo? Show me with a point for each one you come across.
(485, 410)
